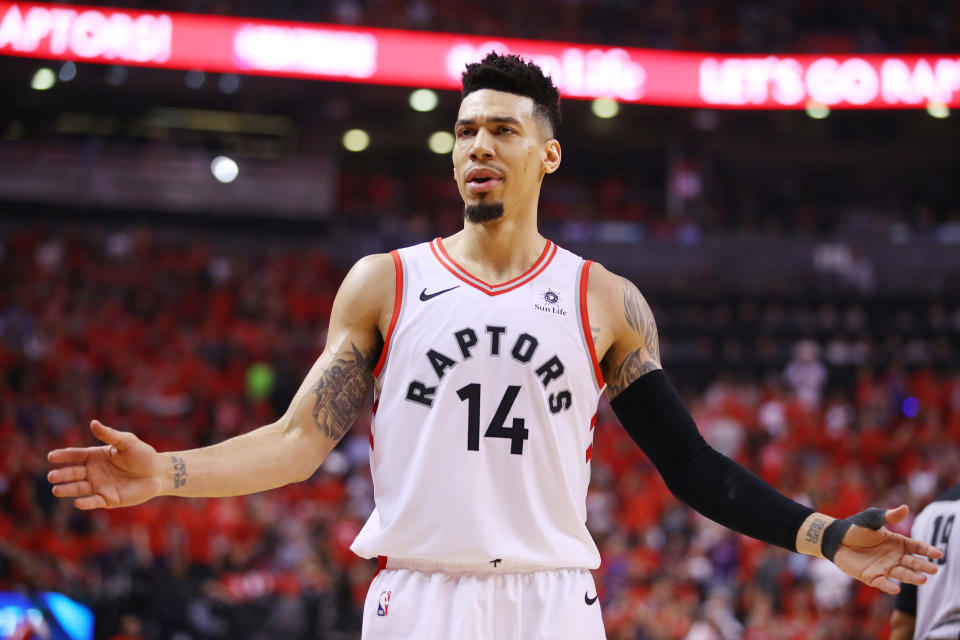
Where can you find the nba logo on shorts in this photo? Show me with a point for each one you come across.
(384, 603)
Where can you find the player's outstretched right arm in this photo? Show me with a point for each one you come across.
(125, 471)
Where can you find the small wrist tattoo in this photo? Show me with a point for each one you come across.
(814, 530)
(179, 472)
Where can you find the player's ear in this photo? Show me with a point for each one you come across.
(551, 155)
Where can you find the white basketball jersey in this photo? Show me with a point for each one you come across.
(486, 398)
(938, 599)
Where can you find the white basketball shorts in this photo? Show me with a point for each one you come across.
(424, 604)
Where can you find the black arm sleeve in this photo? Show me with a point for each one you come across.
(654, 415)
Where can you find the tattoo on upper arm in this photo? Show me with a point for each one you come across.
(644, 360)
(640, 318)
(595, 334)
(179, 472)
(343, 390)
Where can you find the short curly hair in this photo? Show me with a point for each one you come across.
(512, 74)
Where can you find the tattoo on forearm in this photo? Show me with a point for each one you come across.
(179, 472)
(343, 390)
(644, 360)
(814, 531)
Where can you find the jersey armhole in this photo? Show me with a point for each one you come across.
(397, 303)
(583, 276)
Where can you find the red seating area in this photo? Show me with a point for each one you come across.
(187, 340)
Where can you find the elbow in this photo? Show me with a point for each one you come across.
(306, 450)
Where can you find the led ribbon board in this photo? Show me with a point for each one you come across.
(435, 60)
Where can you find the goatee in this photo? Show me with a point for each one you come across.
(483, 212)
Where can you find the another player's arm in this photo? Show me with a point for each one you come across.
(902, 625)
(654, 415)
(127, 471)
(903, 620)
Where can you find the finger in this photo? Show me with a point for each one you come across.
(919, 564)
(904, 574)
(90, 502)
(72, 489)
(893, 516)
(886, 585)
(71, 455)
(67, 474)
(922, 548)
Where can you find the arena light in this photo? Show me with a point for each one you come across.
(68, 71)
(423, 100)
(228, 83)
(116, 75)
(910, 407)
(441, 142)
(224, 169)
(356, 140)
(217, 44)
(195, 79)
(43, 79)
(938, 109)
(605, 107)
(817, 110)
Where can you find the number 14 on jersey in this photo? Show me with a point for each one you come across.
(516, 433)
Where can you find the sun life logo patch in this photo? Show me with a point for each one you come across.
(384, 603)
(551, 303)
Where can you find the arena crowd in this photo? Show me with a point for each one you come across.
(186, 341)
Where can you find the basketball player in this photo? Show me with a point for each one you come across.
(487, 353)
(932, 610)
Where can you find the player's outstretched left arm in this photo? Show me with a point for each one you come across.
(125, 471)
(654, 415)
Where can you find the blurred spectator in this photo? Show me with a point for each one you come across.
(805, 374)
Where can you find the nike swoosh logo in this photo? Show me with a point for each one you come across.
(424, 296)
(588, 599)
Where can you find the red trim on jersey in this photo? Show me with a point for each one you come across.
(593, 422)
(446, 255)
(589, 452)
(371, 440)
(397, 299)
(376, 403)
(584, 275)
(549, 251)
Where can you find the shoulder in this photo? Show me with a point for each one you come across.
(369, 287)
(616, 298)
(373, 265)
(372, 274)
(603, 285)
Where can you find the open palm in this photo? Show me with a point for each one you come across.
(878, 557)
(120, 473)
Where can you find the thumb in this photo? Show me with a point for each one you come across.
(893, 516)
(108, 435)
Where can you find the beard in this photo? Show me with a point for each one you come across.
(483, 212)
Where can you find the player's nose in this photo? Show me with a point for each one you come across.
(482, 147)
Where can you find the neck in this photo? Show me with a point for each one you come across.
(498, 250)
